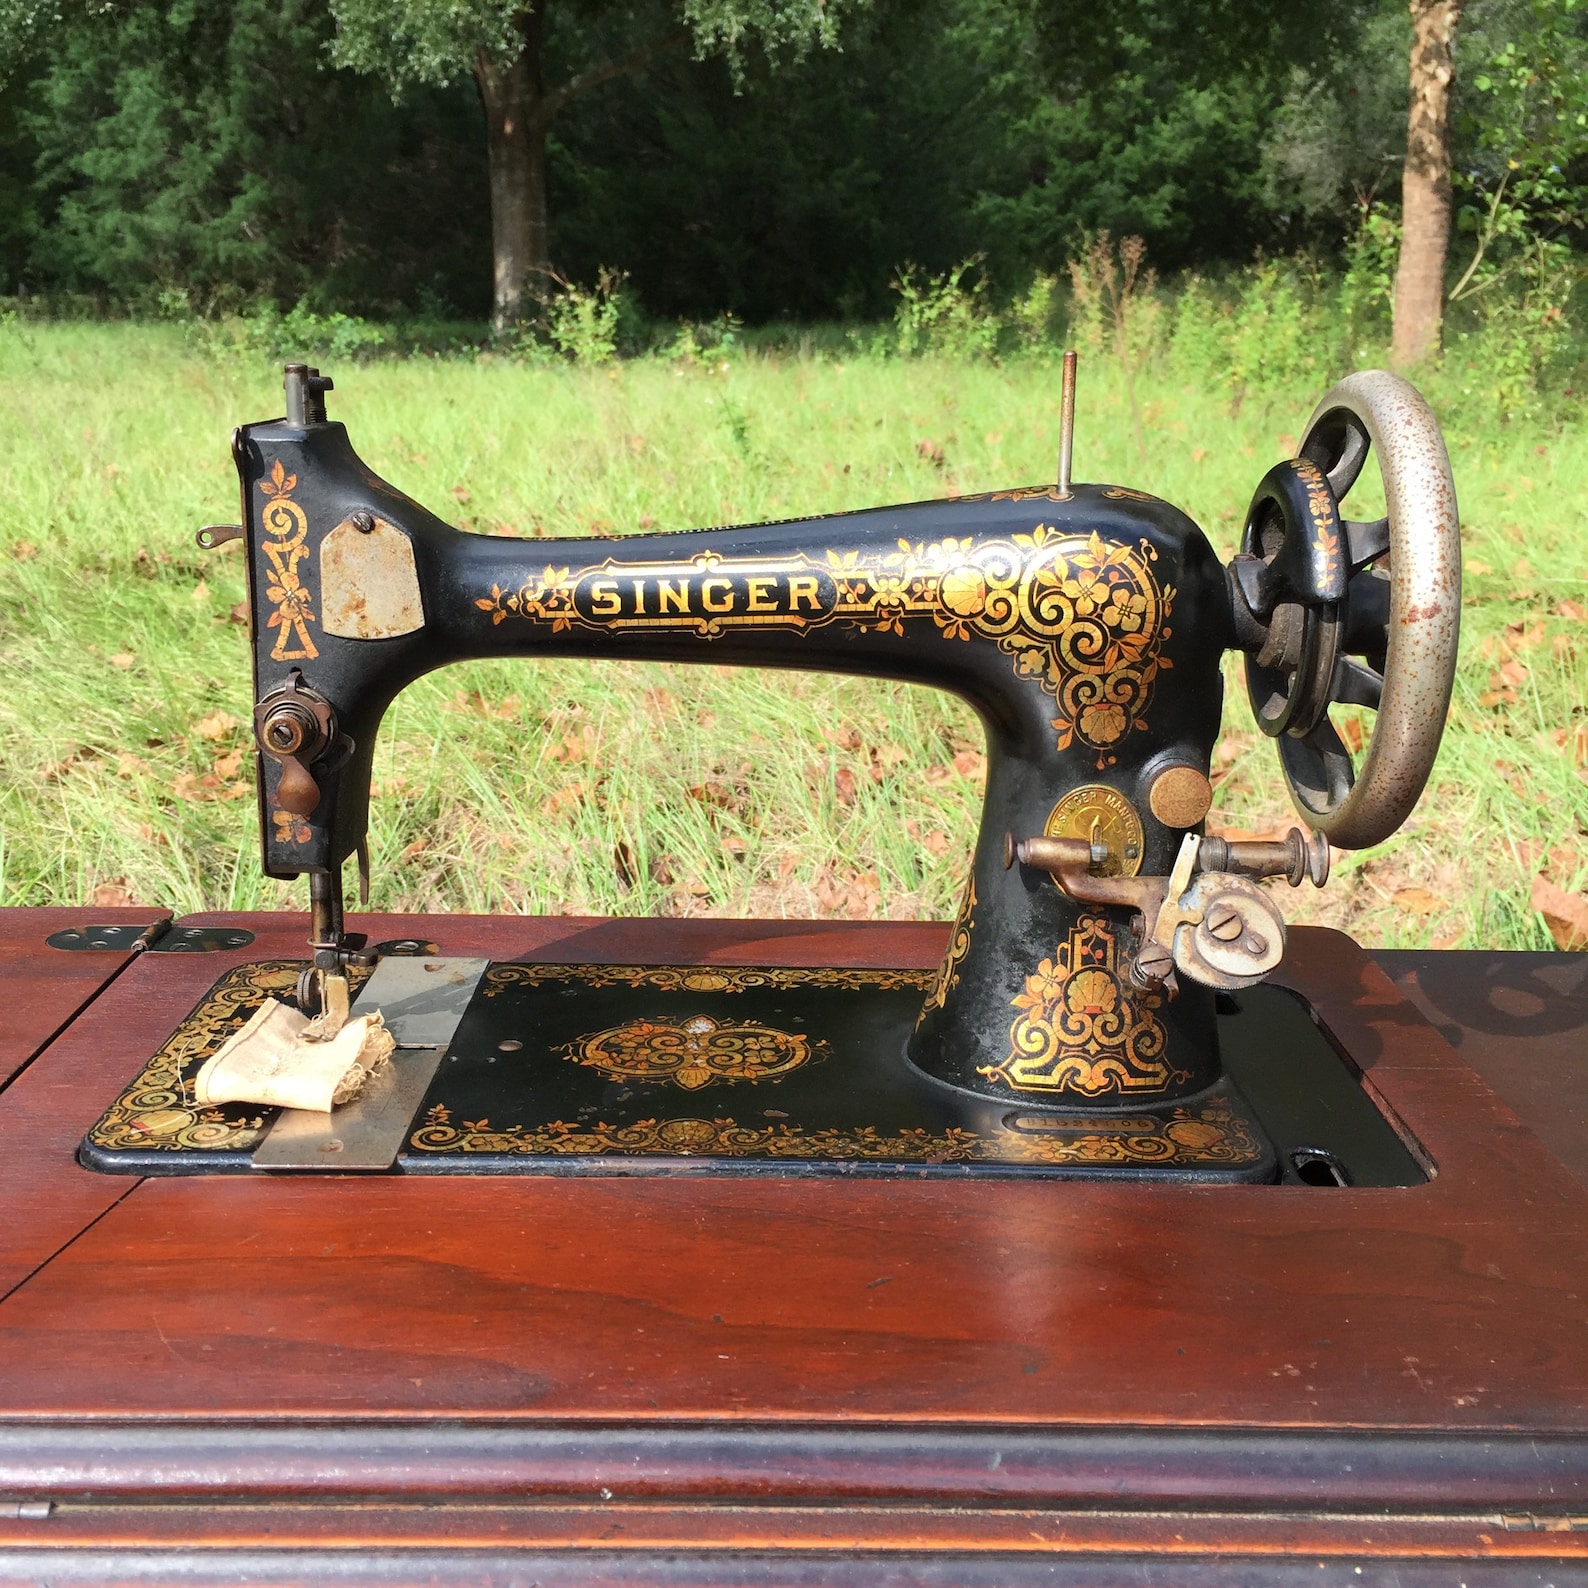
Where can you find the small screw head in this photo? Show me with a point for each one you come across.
(1224, 922)
(363, 522)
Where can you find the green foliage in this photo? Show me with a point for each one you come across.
(207, 146)
(303, 336)
(1033, 315)
(582, 322)
(508, 787)
(945, 315)
(1367, 285)
(436, 42)
(405, 42)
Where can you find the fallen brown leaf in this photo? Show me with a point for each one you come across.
(1418, 901)
(1570, 609)
(123, 660)
(24, 551)
(239, 614)
(844, 782)
(1479, 569)
(1351, 732)
(623, 865)
(215, 726)
(113, 895)
(1565, 914)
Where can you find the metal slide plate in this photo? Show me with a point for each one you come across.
(423, 1001)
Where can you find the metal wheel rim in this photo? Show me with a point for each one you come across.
(1425, 595)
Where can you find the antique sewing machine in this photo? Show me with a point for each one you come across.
(1098, 1008)
(713, 1251)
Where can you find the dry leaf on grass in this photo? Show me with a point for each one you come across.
(1565, 914)
(215, 726)
(113, 895)
(1571, 609)
(24, 551)
(1418, 901)
(123, 660)
(1574, 742)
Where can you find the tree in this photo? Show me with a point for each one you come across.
(529, 62)
(1425, 184)
(208, 150)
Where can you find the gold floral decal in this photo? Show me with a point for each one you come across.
(701, 978)
(1324, 514)
(1081, 1027)
(156, 1113)
(1209, 1134)
(1083, 618)
(1032, 493)
(958, 947)
(287, 522)
(693, 1052)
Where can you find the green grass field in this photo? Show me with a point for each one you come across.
(628, 789)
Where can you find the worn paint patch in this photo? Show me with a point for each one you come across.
(369, 584)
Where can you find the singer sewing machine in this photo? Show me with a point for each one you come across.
(1098, 1007)
(706, 1252)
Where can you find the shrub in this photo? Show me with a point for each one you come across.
(944, 315)
(582, 322)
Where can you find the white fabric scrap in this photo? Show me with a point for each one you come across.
(270, 1062)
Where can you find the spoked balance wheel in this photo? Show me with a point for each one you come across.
(1331, 611)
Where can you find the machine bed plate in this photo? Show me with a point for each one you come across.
(657, 1069)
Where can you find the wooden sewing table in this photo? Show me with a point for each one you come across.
(721, 1380)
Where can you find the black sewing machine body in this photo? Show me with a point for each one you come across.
(1087, 632)
(1075, 1021)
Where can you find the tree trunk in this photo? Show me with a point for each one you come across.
(1425, 188)
(515, 121)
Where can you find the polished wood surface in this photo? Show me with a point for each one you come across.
(1521, 1022)
(41, 988)
(685, 1344)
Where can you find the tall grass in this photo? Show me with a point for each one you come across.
(625, 788)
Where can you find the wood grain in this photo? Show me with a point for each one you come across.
(1450, 1305)
(723, 1380)
(41, 988)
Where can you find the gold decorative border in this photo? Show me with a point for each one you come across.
(1211, 1136)
(156, 1113)
(958, 947)
(702, 978)
(284, 519)
(1083, 618)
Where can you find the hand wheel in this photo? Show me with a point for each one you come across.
(1363, 614)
